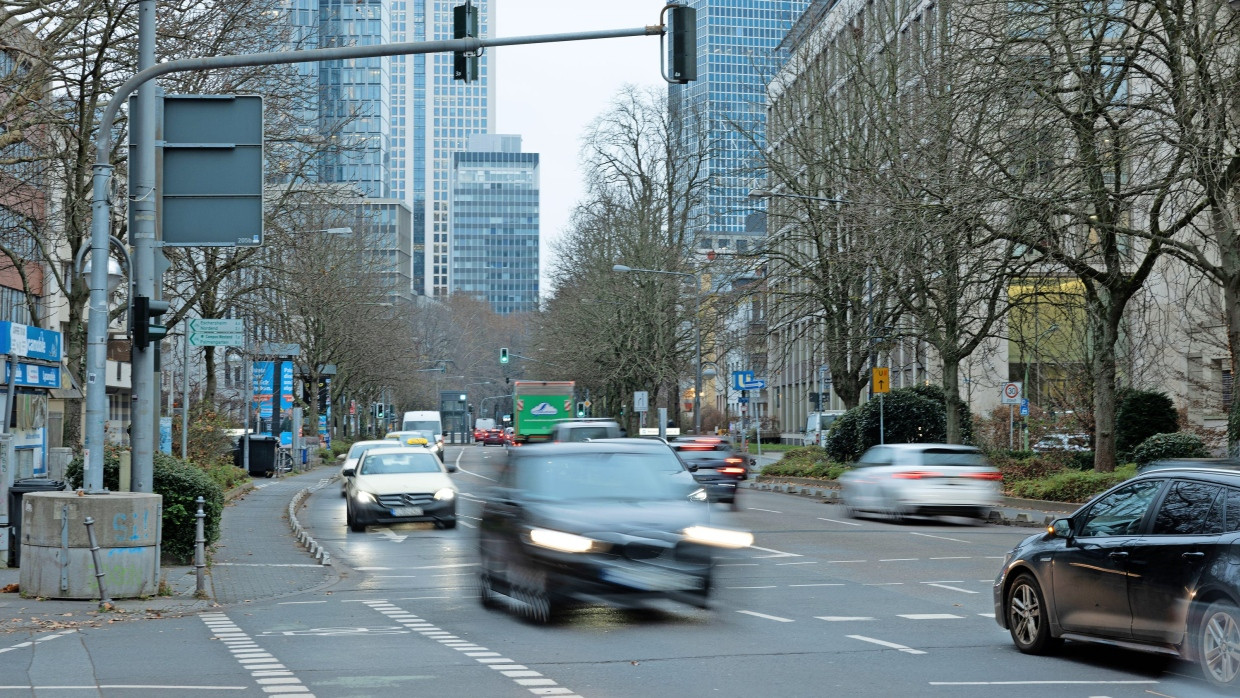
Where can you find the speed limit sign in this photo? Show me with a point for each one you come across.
(1011, 393)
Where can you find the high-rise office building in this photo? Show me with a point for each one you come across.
(432, 117)
(736, 44)
(495, 223)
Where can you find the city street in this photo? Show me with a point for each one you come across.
(821, 605)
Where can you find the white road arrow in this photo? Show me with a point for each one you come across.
(387, 533)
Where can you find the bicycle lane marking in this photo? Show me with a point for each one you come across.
(522, 675)
(269, 674)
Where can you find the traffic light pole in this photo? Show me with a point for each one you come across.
(101, 207)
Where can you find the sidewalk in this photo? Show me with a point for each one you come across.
(257, 557)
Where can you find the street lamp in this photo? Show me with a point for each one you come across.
(697, 333)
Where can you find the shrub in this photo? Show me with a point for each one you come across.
(180, 484)
(1027, 465)
(824, 470)
(908, 415)
(1140, 414)
(1176, 445)
(1070, 485)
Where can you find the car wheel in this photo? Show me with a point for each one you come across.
(486, 593)
(445, 523)
(1218, 645)
(355, 524)
(1027, 617)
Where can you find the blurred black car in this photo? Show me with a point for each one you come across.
(714, 465)
(618, 522)
(1151, 564)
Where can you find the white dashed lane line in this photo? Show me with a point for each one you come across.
(270, 675)
(884, 643)
(37, 641)
(522, 675)
(778, 619)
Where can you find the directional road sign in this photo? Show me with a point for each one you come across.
(744, 380)
(641, 401)
(880, 379)
(216, 332)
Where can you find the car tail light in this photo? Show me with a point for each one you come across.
(916, 475)
(987, 476)
(732, 471)
(734, 461)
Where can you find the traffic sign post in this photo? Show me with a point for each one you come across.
(1010, 394)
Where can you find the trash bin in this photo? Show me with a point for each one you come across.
(16, 490)
(262, 454)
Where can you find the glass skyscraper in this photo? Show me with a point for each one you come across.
(495, 223)
(736, 43)
(433, 117)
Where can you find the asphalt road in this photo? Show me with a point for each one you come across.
(821, 606)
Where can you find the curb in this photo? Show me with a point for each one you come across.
(303, 536)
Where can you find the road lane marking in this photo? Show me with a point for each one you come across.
(884, 643)
(844, 561)
(927, 535)
(807, 562)
(520, 675)
(954, 557)
(777, 553)
(766, 587)
(883, 584)
(127, 686)
(929, 616)
(900, 559)
(841, 619)
(846, 523)
(1133, 682)
(763, 615)
(769, 511)
(45, 638)
(949, 587)
(272, 677)
(824, 584)
(987, 615)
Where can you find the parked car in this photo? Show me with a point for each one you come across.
(1153, 563)
(1062, 442)
(399, 484)
(901, 480)
(619, 522)
(349, 459)
(714, 465)
(575, 430)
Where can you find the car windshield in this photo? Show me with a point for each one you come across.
(400, 464)
(578, 434)
(421, 425)
(356, 450)
(645, 476)
(947, 456)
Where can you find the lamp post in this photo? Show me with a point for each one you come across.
(1025, 386)
(697, 333)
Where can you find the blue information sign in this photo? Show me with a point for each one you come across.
(1024, 407)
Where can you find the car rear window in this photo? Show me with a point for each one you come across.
(578, 434)
(623, 475)
(699, 454)
(947, 457)
(356, 450)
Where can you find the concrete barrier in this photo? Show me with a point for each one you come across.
(55, 549)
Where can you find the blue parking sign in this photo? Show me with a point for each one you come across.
(1024, 407)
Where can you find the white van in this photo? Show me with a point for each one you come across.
(425, 420)
(817, 425)
(484, 423)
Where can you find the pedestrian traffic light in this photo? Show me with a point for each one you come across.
(503, 355)
(147, 328)
(681, 44)
(465, 25)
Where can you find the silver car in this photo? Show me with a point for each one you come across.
(900, 480)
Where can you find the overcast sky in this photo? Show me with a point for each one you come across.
(549, 93)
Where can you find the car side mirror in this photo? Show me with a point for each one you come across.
(693, 468)
(348, 472)
(1060, 528)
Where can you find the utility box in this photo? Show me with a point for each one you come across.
(16, 491)
(262, 454)
(55, 547)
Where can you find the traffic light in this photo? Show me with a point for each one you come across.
(147, 328)
(503, 355)
(464, 25)
(378, 410)
(682, 44)
(581, 409)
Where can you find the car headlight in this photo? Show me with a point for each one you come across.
(364, 496)
(698, 495)
(446, 494)
(719, 537)
(564, 542)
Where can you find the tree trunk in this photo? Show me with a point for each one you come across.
(1104, 321)
(953, 403)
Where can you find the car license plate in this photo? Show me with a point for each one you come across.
(652, 579)
(406, 511)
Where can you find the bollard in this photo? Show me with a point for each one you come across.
(105, 603)
(200, 550)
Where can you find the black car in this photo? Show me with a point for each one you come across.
(618, 522)
(1151, 564)
(714, 465)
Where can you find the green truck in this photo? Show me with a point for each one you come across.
(537, 406)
